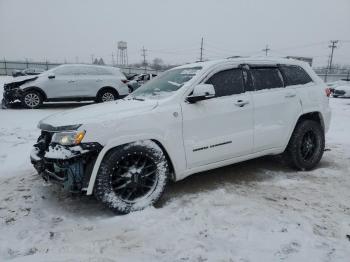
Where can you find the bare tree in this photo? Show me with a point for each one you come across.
(157, 64)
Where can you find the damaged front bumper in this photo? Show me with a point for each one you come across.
(11, 96)
(68, 166)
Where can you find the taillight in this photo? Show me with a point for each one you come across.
(328, 91)
(125, 81)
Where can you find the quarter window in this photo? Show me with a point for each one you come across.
(295, 75)
(266, 78)
(228, 82)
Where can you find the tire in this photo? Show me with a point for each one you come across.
(306, 146)
(132, 177)
(106, 95)
(32, 99)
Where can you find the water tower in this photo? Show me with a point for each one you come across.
(122, 55)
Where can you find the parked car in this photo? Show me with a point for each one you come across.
(130, 76)
(341, 91)
(139, 80)
(28, 71)
(190, 119)
(71, 82)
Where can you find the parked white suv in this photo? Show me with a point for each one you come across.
(190, 119)
(72, 82)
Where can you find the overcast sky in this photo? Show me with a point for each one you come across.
(172, 30)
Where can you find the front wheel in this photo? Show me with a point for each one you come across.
(306, 146)
(32, 99)
(132, 177)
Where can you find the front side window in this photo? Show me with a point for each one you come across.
(266, 78)
(167, 83)
(65, 70)
(295, 75)
(227, 82)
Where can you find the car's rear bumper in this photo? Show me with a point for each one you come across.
(69, 167)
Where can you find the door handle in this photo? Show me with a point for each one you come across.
(241, 103)
(289, 95)
(71, 81)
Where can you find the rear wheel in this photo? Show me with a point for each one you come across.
(107, 95)
(132, 177)
(306, 146)
(32, 99)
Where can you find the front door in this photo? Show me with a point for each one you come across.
(219, 128)
(63, 84)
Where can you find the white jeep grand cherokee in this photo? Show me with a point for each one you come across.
(192, 118)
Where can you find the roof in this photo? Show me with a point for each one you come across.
(249, 60)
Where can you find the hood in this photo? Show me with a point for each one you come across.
(98, 113)
(18, 81)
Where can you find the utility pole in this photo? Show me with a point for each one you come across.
(143, 54)
(113, 59)
(92, 59)
(266, 49)
(332, 47)
(201, 52)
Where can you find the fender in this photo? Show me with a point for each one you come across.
(36, 89)
(107, 87)
(122, 141)
(305, 114)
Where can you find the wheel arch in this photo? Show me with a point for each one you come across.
(313, 115)
(37, 89)
(109, 147)
(107, 88)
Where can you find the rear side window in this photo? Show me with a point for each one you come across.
(228, 82)
(266, 78)
(295, 75)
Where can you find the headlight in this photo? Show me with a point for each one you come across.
(68, 138)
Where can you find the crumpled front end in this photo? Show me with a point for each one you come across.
(11, 96)
(69, 166)
(12, 91)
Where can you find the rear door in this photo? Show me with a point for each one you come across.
(275, 107)
(219, 128)
(88, 81)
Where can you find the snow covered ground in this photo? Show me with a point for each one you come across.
(258, 210)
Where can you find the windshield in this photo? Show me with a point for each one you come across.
(166, 83)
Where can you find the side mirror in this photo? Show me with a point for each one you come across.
(51, 76)
(201, 92)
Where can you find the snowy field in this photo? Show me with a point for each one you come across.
(254, 211)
